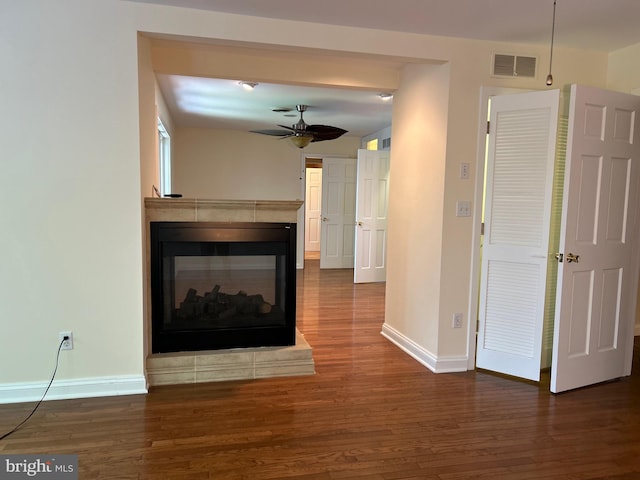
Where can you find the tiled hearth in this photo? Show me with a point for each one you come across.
(231, 364)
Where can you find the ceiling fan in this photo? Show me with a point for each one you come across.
(302, 134)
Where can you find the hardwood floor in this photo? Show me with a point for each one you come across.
(370, 413)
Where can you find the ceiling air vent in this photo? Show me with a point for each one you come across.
(505, 65)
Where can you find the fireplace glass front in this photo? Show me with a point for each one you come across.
(228, 285)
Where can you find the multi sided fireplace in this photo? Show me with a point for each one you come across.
(222, 285)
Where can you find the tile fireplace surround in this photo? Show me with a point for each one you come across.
(231, 364)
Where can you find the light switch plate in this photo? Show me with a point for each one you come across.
(463, 208)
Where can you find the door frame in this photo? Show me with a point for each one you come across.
(476, 234)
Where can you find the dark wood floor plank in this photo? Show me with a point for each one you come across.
(370, 413)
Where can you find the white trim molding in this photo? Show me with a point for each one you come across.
(79, 388)
(432, 362)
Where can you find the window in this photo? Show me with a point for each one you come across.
(164, 159)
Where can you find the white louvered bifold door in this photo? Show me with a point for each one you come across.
(520, 164)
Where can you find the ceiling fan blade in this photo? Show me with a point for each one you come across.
(318, 133)
(288, 128)
(274, 133)
(325, 132)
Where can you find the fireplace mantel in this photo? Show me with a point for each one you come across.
(199, 210)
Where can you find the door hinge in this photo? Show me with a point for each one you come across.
(488, 127)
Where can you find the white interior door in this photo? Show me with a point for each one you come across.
(338, 212)
(313, 209)
(372, 197)
(518, 196)
(595, 305)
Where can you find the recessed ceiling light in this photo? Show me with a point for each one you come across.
(248, 85)
(385, 96)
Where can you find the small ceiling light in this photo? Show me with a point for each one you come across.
(553, 31)
(386, 96)
(248, 85)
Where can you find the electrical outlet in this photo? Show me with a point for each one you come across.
(457, 320)
(68, 343)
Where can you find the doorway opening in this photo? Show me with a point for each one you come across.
(312, 208)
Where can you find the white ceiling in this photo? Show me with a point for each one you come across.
(215, 103)
(604, 25)
(586, 24)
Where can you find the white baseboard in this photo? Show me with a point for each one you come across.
(432, 362)
(80, 388)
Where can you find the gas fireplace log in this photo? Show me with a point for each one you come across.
(228, 313)
(212, 295)
(246, 304)
(191, 295)
(223, 306)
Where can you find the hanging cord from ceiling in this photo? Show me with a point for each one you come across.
(553, 32)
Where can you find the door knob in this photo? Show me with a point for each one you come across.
(572, 258)
(359, 224)
(324, 219)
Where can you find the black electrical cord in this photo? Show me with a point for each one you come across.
(17, 427)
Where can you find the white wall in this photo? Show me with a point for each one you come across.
(71, 216)
(229, 164)
(148, 112)
(73, 178)
(416, 192)
(624, 70)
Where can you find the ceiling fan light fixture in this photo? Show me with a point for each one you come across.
(300, 134)
(300, 140)
(248, 85)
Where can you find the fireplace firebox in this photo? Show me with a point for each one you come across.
(222, 285)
